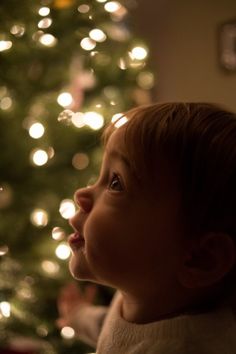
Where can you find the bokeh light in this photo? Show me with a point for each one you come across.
(36, 130)
(5, 45)
(67, 208)
(39, 157)
(88, 43)
(39, 217)
(44, 11)
(64, 99)
(67, 332)
(58, 233)
(5, 309)
(48, 40)
(63, 251)
(94, 120)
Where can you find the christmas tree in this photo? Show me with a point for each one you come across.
(66, 68)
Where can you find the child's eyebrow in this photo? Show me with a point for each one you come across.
(118, 155)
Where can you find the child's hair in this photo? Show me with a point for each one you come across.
(199, 142)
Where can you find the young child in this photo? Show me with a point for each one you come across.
(159, 226)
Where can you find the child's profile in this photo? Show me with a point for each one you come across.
(159, 226)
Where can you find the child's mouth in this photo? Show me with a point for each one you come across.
(76, 240)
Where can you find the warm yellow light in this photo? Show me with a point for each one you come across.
(116, 116)
(66, 115)
(36, 130)
(39, 157)
(67, 332)
(58, 233)
(84, 8)
(101, 1)
(63, 251)
(94, 120)
(5, 103)
(139, 53)
(119, 119)
(5, 309)
(39, 217)
(5, 45)
(122, 64)
(67, 208)
(3, 250)
(88, 43)
(78, 120)
(80, 161)
(112, 6)
(51, 152)
(50, 267)
(97, 35)
(48, 40)
(17, 30)
(45, 22)
(44, 11)
(65, 99)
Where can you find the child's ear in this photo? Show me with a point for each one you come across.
(207, 260)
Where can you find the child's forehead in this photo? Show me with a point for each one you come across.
(116, 140)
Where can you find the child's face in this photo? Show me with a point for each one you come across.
(133, 233)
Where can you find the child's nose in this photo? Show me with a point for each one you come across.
(83, 198)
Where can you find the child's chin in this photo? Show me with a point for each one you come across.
(79, 269)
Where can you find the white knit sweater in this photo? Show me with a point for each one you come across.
(208, 333)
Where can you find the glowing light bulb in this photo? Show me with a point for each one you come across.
(44, 11)
(101, 1)
(51, 152)
(5, 103)
(66, 115)
(36, 130)
(67, 332)
(67, 208)
(122, 64)
(112, 6)
(65, 99)
(50, 267)
(88, 43)
(3, 250)
(80, 161)
(78, 120)
(5, 309)
(139, 53)
(63, 251)
(17, 30)
(48, 40)
(119, 119)
(45, 22)
(39, 217)
(94, 120)
(39, 157)
(58, 233)
(97, 35)
(84, 8)
(5, 45)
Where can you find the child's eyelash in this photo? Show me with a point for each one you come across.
(115, 183)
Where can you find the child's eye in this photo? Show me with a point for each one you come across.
(115, 183)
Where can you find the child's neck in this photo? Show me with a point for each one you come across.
(141, 311)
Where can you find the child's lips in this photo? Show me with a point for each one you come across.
(76, 240)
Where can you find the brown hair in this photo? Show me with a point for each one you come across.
(199, 141)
